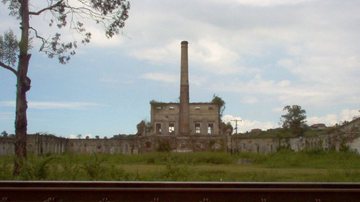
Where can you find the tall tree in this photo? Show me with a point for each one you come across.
(294, 119)
(4, 133)
(220, 102)
(72, 14)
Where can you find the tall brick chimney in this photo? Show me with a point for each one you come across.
(184, 91)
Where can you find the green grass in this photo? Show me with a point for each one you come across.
(284, 166)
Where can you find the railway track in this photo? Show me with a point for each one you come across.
(61, 191)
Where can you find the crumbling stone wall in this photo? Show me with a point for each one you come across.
(7, 146)
(182, 143)
(45, 144)
(108, 146)
(347, 135)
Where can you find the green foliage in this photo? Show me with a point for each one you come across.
(226, 128)
(110, 14)
(285, 165)
(175, 171)
(36, 168)
(190, 158)
(9, 48)
(164, 146)
(158, 103)
(93, 167)
(294, 119)
(220, 102)
(313, 159)
(5, 168)
(4, 134)
(70, 169)
(141, 127)
(63, 14)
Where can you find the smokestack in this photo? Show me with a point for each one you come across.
(184, 91)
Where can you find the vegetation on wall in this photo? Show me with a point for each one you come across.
(294, 119)
(4, 134)
(143, 127)
(220, 102)
(163, 146)
(158, 103)
(226, 128)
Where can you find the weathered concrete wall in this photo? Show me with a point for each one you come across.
(205, 114)
(109, 146)
(270, 145)
(7, 146)
(36, 144)
(346, 135)
(48, 144)
(340, 137)
(353, 138)
(164, 114)
(182, 143)
(45, 144)
(259, 145)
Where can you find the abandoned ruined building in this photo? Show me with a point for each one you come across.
(185, 127)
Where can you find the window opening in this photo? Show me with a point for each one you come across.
(171, 128)
(158, 128)
(197, 128)
(210, 128)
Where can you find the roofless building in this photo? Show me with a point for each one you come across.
(185, 118)
(184, 126)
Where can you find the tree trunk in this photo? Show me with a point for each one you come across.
(23, 85)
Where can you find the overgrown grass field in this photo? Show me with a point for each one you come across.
(283, 166)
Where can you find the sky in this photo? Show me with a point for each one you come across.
(257, 55)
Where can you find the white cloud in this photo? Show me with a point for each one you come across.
(213, 56)
(113, 79)
(162, 53)
(266, 2)
(332, 119)
(249, 100)
(162, 77)
(53, 105)
(197, 80)
(349, 114)
(247, 125)
(311, 43)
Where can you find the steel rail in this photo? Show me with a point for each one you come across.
(50, 191)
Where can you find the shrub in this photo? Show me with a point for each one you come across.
(174, 171)
(36, 168)
(164, 146)
(93, 167)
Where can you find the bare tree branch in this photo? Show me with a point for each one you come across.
(8, 68)
(39, 37)
(46, 9)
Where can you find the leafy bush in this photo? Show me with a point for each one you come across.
(174, 171)
(164, 146)
(93, 167)
(36, 168)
